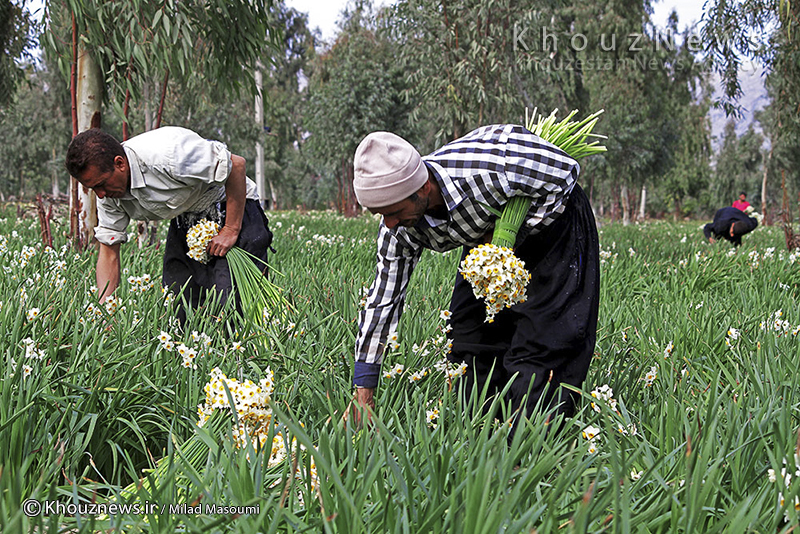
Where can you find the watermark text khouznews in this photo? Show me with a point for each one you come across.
(36, 508)
(605, 51)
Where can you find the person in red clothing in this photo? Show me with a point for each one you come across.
(741, 204)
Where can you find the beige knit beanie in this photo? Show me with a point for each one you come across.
(387, 169)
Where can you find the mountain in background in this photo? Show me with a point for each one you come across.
(754, 98)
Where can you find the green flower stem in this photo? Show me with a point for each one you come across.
(569, 136)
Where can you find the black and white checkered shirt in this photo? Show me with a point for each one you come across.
(485, 167)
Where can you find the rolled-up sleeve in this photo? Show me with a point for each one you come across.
(201, 159)
(384, 306)
(112, 222)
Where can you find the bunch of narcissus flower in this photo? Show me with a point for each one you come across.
(198, 237)
(497, 276)
(258, 295)
(486, 265)
(251, 403)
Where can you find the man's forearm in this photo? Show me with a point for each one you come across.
(236, 194)
(108, 268)
(235, 198)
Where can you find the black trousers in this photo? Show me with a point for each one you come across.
(179, 269)
(549, 339)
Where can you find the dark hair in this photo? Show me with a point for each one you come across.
(92, 147)
(742, 193)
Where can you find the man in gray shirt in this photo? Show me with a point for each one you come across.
(170, 173)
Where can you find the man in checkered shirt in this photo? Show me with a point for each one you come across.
(441, 201)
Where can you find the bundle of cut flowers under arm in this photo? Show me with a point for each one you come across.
(495, 273)
(259, 297)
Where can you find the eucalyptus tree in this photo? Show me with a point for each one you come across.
(476, 62)
(767, 31)
(34, 132)
(355, 87)
(282, 130)
(645, 81)
(120, 47)
(16, 41)
(739, 165)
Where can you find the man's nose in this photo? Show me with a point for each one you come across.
(390, 222)
(100, 193)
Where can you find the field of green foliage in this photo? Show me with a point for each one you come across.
(689, 423)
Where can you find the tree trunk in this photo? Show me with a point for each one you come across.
(767, 217)
(74, 211)
(351, 192)
(54, 178)
(677, 213)
(626, 209)
(273, 195)
(614, 206)
(89, 94)
(148, 112)
(146, 233)
(160, 113)
(259, 118)
(643, 203)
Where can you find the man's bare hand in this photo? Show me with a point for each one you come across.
(363, 401)
(223, 241)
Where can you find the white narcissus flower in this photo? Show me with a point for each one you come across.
(418, 375)
(432, 416)
(33, 313)
(590, 432)
(396, 370)
(606, 394)
(651, 376)
(455, 371)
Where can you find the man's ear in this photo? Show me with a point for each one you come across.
(120, 163)
(427, 187)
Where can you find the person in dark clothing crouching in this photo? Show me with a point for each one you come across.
(729, 223)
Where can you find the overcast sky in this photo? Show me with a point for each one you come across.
(325, 13)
